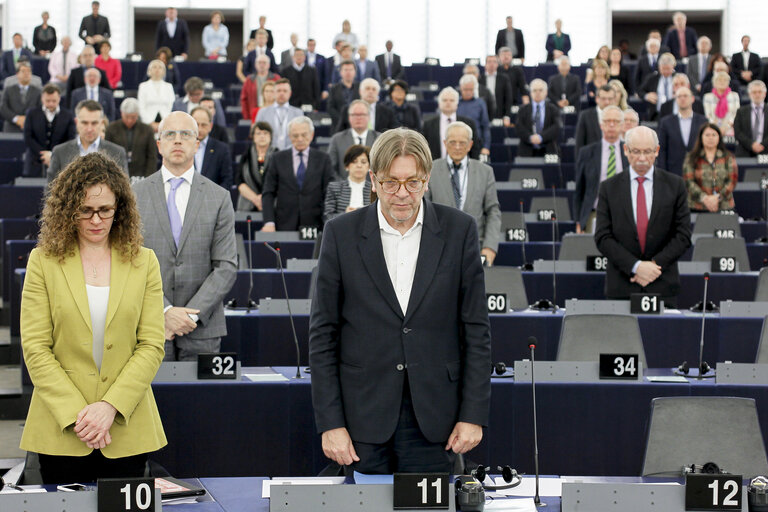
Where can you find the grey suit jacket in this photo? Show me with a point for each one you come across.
(65, 152)
(693, 71)
(269, 115)
(339, 145)
(12, 105)
(482, 201)
(201, 271)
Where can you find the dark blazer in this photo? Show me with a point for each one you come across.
(179, 43)
(36, 140)
(672, 148)
(517, 82)
(270, 41)
(668, 108)
(249, 64)
(431, 132)
(742, 130)
(587, 129)
(490, 102)
(643, 70)
(397, 68)
(219, 133)
(76, 80)
(549, 133)
(142, 155)
(336, 103)
(217, 163)
(623, 77)
(673, 41)
(572, 89)
(503, 94)
(13, 105)
(650, 85)
(91, 26)
(550, 46)
(338, 195)
(305, 86)
(754, 65)
(360, 339)
(106, 100)
(7, 67)
(408, 115)
(385, 118)
(501, 40)
(667, 238)
(322, 79)
(284, 203)
(588, 173)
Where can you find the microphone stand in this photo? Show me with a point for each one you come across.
(525, 265)
(703, 366)
(764, 192)
(249, 301)
(554, 263)
(532, 345)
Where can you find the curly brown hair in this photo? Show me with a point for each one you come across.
(58, 225)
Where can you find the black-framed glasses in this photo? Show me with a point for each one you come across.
(103, 213)
(412, 185)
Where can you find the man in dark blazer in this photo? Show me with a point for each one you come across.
(305, 86)
(384, 117)
(656, 85)
(595, 164)
(502, 88)
(17, 99)
(358, 133)
(286, 56)
(342, 93)
(317, 61)
(389, 64)
(295, 181)
(400, 378)
(643, 243)
(12, 56)
(588, 124)
(553, 52)
(648, 62)
(270, 43)
(137, 138)
(672, 39)
(565, 87)
(678, 133)
(750, 127)
(44, 129)
(92, 91)
(516, 76)
(212, 158)
(178, 43)
(506, 35)
(538, 123)
(435, 127)
(94, 28)
(751, 69)
(249, 65)
(77, 75)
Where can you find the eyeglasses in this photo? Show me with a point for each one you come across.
(457, 143)
(170, 135)
(644, 152)
(103, 213)
(413, 185)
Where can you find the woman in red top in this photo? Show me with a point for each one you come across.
(110, 66)
(249, 96)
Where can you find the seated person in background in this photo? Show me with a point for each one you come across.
(469, 185)
(538, 123)
(617, 70)
(61, 62)
(304, 81)
(516, 77)
(217, 132)
(474, 108)
(194, 87)
(588, 125)
(109, 65)
(749, 126)
(249, 97)
(382, 118)
(155, 95)
(280, 114)
(358, 133)
(721, 104)
(212, 158)
(92, 91)
(558, 44)
(341, 94)
(501, 88)
(677, 133)
(595, 80)
(45, 128)
(19, 98)
(710, 172)
(620, 99)
(670, 107)
(353, 191)
(746, 64)
(657, 87)
(407, 115)
(564, 87)
(482, 91)
(249, 177)
(137, 138)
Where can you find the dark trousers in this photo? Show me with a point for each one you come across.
(407, 451)
(62, 469)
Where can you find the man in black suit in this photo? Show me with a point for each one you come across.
(389, 65)
(18, 98)
(512, 38)
(588, 125)
(136, 138)
(643, 223)
(678, 133)
(270, 43)
(212, 158)
(173, 33)
(565, 87)
(657, 88)
(670, 106)
(436, 126)
(516, 77)
(45, 128)
(648, 62)
(680, 39)
(218, 132)
(317, 61)
(746, 64)
(596, 163)
(94, 28)
(305, 85)
(538, 123)
(382, 118)
(399, 337)
(76, 78)
(342, 93)
(92, 91)
(295, 181)
(12, 56)
(750, 126)
(499, 85)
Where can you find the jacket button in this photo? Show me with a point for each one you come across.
(406, 330)
(109, 347)
(400, 367)
(103, 379)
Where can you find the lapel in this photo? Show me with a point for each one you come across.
(370, 138)
(117, 278)
(430, 251)
(626, 188)
(72, 266)
(194, 204)
(472, 184)
(372, 253)
(658, 192)
(157, 198)
(208, 154)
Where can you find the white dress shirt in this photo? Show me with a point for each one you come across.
(401, 252)
(363, 136)
(648, 188)
(182, 193)
(200, 155)
(464, 167)
(51, 115)
(98, 300)
(91, 149)
(444, 122)
(170, 26)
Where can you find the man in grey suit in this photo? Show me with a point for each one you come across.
(469, 185)
(279, 114)
(357, 133)
(286, 57)
(698, 64)
(88, 120)
(19, 98)
(190, 224)
(92, 91)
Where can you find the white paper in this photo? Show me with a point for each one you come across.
(666, 378)
(547, 487)
(262, 377)
(266, 484)
(516, 505)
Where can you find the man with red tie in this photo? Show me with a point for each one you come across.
(643, 223)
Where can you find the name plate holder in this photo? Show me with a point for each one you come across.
(564, 371)
(299, 265)
(81, 501)
(339, 498)
(593, 307)
(184, 371)
(743, 309)
(627, 497)
(742, 374)
(560, 266)
(280, 306)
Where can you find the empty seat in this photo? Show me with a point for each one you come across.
(704, 249)
(509, 281)
(761, 294)
(585, 337)
(696, 430)
(576, 247)
(518, 175)
(762, 347)
(513, 220)
(707, 223)
(558, 204)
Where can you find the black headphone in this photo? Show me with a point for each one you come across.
(499, 371)
(509, 475)
(710, 468)
(683, 369)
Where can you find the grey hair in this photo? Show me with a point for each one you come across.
(538, 81)
(649, 42)
(448, 91)
(611, 108)
(369, 81)
(129, 106)
(667, 58)
(459, 125)
(683, 77)
(301, 120)
(637, 131)
(471, 79)
(755, 84)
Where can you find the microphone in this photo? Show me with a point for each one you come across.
(532, 345)
(704, 368)
(276, 251)
(546, 304)
(525, 265)
(249, 302)
(764, 191)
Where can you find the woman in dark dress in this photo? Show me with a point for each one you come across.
(250, 177)
(617, 70)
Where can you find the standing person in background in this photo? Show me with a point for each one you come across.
(558, 44)
(269, 43)
(353, 190)
(240, 64)
(472, 107)
(680, 39)
(110, 66)
(44, 37)
(216, 37)
(750, 126)
(710, 172)
(45, 128)
(512, 38)
(155, 95)
(61, 63)
(172, 33)
(253, 163)
(347, 36)
(11, 57)
(94, 28)
(721, 104)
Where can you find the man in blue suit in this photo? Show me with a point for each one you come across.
(678, 133)
(11, 57)
(212, 158)
(173, 33)
(366, 68)
(92, 91)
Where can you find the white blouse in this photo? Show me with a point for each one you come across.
(356, 196)
(98, 299)
(155, 97)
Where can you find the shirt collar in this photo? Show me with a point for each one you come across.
(648, 176)
(95, 144)
(188, 174)
(462, 165)
(295, 152)
(298, 68)
(55, 112)
(363, 135)
(387, 228)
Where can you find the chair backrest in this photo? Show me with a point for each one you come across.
(707, 248)
(761, 294)
(507, 280)
(513, 220)
(559, 204)
(575, 247)
(518, 175)
(696, 430)
(585, 337)
(707, 223)
(762, 347)
(754, 175)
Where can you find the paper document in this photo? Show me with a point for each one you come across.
(264, 374)
(667, 378)
(516, 505)
(547, 487)
(266, 484)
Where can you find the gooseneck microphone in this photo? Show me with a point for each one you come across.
(288, 303)
(532, 345)
(764, 197)
(703, 366)
(546, 304)
(249, 302)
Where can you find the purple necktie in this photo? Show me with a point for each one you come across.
(173, 212)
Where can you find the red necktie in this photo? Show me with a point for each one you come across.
(642, 214)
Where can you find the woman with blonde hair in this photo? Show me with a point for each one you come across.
(155, 95)
(621, 94)
(721, 104)
(597, 77)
